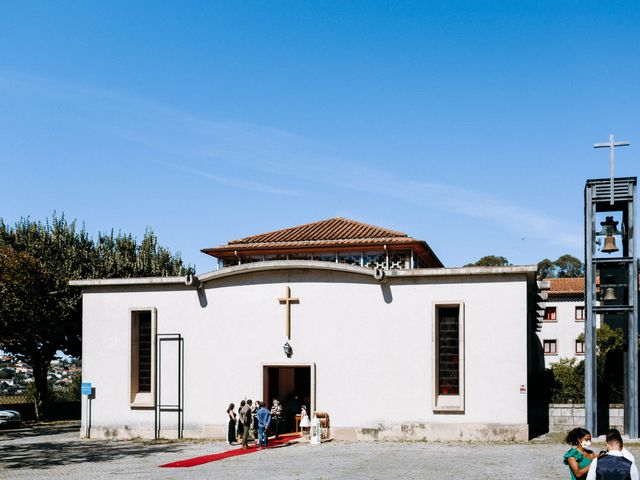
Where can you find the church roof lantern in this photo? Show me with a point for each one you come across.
(332, 235)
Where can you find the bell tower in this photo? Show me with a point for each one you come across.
(611, 290)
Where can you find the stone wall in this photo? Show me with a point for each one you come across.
(565, 416)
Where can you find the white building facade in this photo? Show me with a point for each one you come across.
(414, 354)
(563, 321)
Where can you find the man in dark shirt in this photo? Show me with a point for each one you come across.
(246, 418)
(613, 465)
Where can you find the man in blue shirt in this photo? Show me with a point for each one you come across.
(264, 419)
(613, 465)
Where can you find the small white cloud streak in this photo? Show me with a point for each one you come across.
(233, 182)
(264, 149)
(172, 132)
(479, 205)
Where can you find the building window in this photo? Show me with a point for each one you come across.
(580, 314)
(375, 260)
(230, 262)
(325, 256)
(399, 260)
(143, 330)
(550, 347)
(144, 352)
(579, 347)
(251, 259)
(550, 314)
(301, 256)
(449, 357)
(350, 258)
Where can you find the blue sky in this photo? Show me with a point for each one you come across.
(466, 124)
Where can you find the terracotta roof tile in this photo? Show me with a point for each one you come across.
(331, 233)
(566, 286)
(317, 243)
(325, 230)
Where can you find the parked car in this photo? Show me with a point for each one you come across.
(9, 417)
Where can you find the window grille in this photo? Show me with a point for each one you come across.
(144, 352)
(448, 351)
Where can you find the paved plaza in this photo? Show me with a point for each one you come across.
(56, 452)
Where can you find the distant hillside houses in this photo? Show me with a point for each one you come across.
(15, 375)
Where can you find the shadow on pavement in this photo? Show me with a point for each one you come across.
(39, 430)
(54, 452)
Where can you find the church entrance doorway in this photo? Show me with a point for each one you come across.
(293, 386)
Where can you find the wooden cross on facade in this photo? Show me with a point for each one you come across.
(611, 144)
(288, 300)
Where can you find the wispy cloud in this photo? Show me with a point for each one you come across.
(234, 182)
(186, 138)
(500, 211)
(270, 156)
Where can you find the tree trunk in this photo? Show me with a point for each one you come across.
(41, 399)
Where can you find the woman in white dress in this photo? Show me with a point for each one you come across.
(305, 423)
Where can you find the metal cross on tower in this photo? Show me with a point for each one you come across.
(611, 145)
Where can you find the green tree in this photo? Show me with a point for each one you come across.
(565, 266)
(568, 374)
(121, 257)
(569, 266)
(568, 381)
(490, 261)
(40, 313)
(28, 327)
(546, 268)
(75, 387)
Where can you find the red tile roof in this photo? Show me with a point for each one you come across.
(334, 233)
(566, 286)
(325, 230)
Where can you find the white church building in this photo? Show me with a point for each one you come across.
(360, 322)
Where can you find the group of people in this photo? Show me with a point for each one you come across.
(614, 463)
(257, 418)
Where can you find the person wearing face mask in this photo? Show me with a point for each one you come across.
(579, 457)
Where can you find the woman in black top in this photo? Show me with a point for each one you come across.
(231, 434)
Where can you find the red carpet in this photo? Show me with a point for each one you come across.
(192, 462)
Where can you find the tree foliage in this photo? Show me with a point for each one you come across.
(546, 268)
(40, 314)
(568, 381)
(490, 261)
(564, 266)
(568, 374)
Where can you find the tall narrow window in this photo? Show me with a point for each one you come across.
(142, 357)
(449, 357)
(580, 314)
(448, 351)
(144, 352)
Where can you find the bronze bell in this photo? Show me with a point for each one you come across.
(609, 244)
(610, 295)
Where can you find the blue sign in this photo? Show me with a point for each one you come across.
(85, 388)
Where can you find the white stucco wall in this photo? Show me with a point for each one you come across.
(565, 329)
(371, 346)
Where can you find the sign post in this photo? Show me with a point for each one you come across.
(90, 392)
